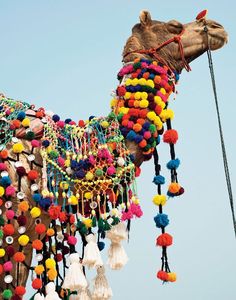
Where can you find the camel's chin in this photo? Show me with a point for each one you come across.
(218, 42)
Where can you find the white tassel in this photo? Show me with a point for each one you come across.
(101, 290)
(51, 292)
(82, 294)
(74, 278)
(39, 296)
(92, 257)
(117, 256)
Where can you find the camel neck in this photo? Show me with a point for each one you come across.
(141, 102)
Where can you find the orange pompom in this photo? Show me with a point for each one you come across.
(16, 123)
(170, 136)
(19, 257)
(1, 269)
(164, 240)
(20, 290)
(143, 143)
(40, 228)
(8, 229)
(140, 121)
(37, 283)
(4, 154)
(39, 114)
(137, 127)
(146, 75)
(157, 79)
(37, 244)
(33, 175)
(174, 188)
(23, 206)
(50, 232)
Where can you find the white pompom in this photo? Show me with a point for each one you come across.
(39, 296)
(51, 292)
(92, 257)
(101, 290)
(74, 279)
(117, 257)
(120, 161)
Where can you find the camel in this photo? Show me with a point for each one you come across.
(51, 187)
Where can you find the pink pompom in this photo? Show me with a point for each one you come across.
(72, 240)
(147, 135)
(61, 161)
(3, 167)
(111, 170)
(8, 112)
(136, 210)
(127, 215)
(10, 190)
(92, 160)
(61, 124)
(7, 266)
(72, 123)
(10, 214)
(35, 143)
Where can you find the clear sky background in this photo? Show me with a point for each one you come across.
(64, 55)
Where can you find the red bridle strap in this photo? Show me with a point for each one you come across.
(153, 51)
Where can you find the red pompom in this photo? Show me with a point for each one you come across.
(121, 90)
(164, 240)
(170, 136)
(32, 175)
(72, 219)
(19, 257)
(37, 283)
(162, 275)
(137, 171)
(81, 123)
(10, 250)
(22, 220)
(1, 269)
(8, 229)
(20, 290)
(59, 257)
(62, 216)
(37, 245)
(21, 171)
(40, 228)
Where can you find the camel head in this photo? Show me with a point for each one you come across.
(150, 34)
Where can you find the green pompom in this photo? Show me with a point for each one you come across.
(1, 221)
(107, 226)
(120, 116)
(112, 115)
(152, 128)
(30, 135)
(137, 65)
(7, 294)
(115, 221)
(1, 234)
(99, 172)
(94, 221)
(53, 154)
(101, 224)
(83, 229)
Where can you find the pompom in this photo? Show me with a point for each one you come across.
(8, 229)
(23, 206)
(37, 197)
(17, 148)
(72, 240)
(101, 245)
(3, 167)
(162, 275)
(21, 115)
(21, 171)
(5, 181)
(37, 284)
(19, 257)
(50, 263)
(4, 154)
(35, 143)
(45, 143)
(172, 277)
(173, 164)
(22, 220)
(32, 175)
(40, 228)
(35, 212)
(170, 136)
(39, 269)
(10, 250)
(56, 118)
(20, 290)
(161, 220)
(159, 200)
(26, 122)
(10, 191)
(7, 294)
(37, 245)
(10, 214)
(164, 240)
(7, 266)
(159, 179)
(23, 240)
(174, 188)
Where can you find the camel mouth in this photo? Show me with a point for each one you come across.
(217, 41)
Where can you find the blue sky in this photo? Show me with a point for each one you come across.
(64, 55)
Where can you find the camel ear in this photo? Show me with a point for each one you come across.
(174, 26)
(145, 18)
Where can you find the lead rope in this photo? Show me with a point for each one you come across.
(225, 161)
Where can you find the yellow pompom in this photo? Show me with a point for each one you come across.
(174, 187)
(167, 114)
(127, 95)
(2, 191)
(172, 277)
(87, 223)
(150, 83)
(104, 124)
(50, 263)
(159, 199)
(128, 82)
(88, 195)
(163, 91)
(26, 122)
(113, 102)
(144, 96)
(39, 269)
(23, 240)
(17, 148)
(64, 185)
(2, 252)
(151, 115)
(142, 81)
(89, 176)
(67, 163)
(52, 274)
(35, 212)
(136, 103)
(124, 110)
(158, 101)
(73, 200)
(144, 103)
(137, 95)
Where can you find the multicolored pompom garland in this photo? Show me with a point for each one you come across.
(141, 105)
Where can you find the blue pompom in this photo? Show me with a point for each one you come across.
(56, 118)
(5, 181)
(21, 115)
(158, 139)
(173, 164)
(151, 76)
(73, 164)
(101, 246)
(131, 135)
(45, 143)
(146, 125)
(91, 117)
(161, 220)
(80, 174)
(169, 194)
(45, 203)
(159, 179)
(67, 121)
(37, 197)
(124, 131)
(138, 138)
(132, 157)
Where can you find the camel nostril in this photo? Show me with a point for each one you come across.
(216, 25)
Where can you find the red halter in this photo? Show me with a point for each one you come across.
(153, 51)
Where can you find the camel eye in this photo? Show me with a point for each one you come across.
(174, 26)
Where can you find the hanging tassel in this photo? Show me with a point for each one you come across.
(74, 278)
(39, 296)
(82, 294)
(117, 257)
(101, 290)
(92, 257)
(51, 292)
